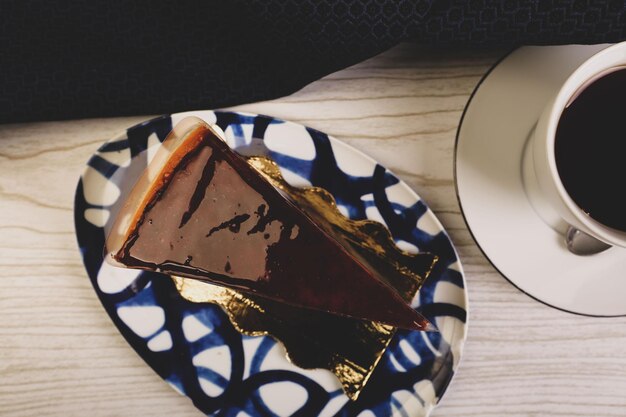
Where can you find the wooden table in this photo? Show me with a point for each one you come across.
(60, 354)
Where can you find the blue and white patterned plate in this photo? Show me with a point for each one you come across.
(194, 347)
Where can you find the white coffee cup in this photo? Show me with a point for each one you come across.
(540, 173)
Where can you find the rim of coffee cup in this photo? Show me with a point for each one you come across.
(594, 67)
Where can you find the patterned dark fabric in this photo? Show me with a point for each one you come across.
(65, 59)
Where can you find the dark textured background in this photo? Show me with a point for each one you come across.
(68, 59)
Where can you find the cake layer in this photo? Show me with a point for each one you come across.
(203, 212)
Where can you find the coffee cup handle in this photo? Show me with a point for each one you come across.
(583, 244)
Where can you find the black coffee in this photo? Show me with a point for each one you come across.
(590, 149)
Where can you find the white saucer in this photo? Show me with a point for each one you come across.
(488, 172)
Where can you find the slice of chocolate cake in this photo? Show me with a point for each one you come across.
(201, 211)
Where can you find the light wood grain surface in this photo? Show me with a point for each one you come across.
(60, 354)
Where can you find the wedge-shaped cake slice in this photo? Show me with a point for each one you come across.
(201, 211)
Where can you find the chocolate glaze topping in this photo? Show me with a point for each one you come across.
(216, 218)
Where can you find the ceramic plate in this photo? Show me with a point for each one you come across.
(523, 245)
(194, 347)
